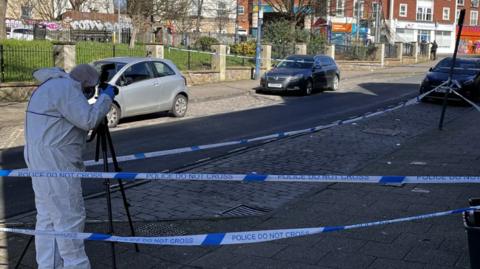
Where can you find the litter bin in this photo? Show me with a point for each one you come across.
(471, 220)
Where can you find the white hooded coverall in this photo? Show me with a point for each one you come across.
(57, 120)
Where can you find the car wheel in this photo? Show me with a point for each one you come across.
(308, 88)
(113, 116)
(179, 107)
(335, 83)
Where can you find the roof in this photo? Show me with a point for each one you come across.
(127, 60)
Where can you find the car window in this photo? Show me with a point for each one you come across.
(461, 66)
(324, 61)
(109, 71)
(162, 69)
(136, 73)
(299, 63)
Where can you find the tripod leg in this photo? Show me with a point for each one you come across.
(24, 252)
(108, 196)
(127, 210)
(126, 205)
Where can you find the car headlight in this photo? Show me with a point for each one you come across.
(297, 77)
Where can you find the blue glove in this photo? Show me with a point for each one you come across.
(109, 90)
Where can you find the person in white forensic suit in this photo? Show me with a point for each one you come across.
(58, 119)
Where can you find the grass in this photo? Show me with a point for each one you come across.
(87, 52)
(198, 61)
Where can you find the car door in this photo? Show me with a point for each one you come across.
(319, 74)
(330, 69)
(138, 89)
(168, 84)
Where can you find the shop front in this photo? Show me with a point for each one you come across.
(443, 34)
(470, 40)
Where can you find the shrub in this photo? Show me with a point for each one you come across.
(205, 42)
(244, 48)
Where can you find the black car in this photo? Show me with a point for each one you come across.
(304, 73)
(466, 73)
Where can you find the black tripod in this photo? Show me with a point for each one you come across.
(104, 143)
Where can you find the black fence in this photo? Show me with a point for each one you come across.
(391, 51)
(362, 53)
(18, 63)
(408, 49)
(424, 49)
(187, 59)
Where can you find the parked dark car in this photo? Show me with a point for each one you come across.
(466, 72)
(305, 73)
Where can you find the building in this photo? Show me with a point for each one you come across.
(470, 38)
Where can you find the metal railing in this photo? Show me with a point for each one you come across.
(187, 59)
(408, 49)
(362, 53)
(18, 63)
(391, 51)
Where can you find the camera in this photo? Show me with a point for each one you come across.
(106, 72)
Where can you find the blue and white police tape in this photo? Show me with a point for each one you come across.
(129, 176)
(232, 238)
(154, 154)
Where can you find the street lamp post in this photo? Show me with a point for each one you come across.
(259, 41)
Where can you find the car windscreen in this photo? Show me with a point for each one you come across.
(298, 63)
(110, 72)
(462, 66)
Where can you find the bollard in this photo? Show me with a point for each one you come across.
(471, 221)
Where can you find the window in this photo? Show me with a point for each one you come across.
(446, 13)
(162, 70)
(443, 39)
(475, 3)
(340, 9)
(403, 10)
(136, 73)
(458, 15)
(473, 18)
(461, 2)
(26, 12)
(241, 10)
(424, 14)
(423, 35)
(360, 13)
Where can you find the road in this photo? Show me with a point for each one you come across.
(355, 98)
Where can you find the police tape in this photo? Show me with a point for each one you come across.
(131, 176)
(229, 238)
(154, 154)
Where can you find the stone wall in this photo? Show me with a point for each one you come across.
(18, 92)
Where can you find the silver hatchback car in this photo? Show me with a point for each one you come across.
(146, 85)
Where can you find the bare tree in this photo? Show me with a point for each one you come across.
(49, 9)
(181, 16)
(198, 8)
(141, 12)
(295, 10)
(3, 12)
(77, 4)
(223, 14)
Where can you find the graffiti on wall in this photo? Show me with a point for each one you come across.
(14, 23)
(88, 25)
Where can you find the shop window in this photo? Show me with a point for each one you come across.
(423, 35)
(443, 39)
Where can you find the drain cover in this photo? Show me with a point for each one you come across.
(244, 210)
(156, 229)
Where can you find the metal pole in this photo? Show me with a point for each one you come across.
(358, 2)
(236, 23)
(118, 24)
(259, 41)
(452, 68)
(377, 23)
